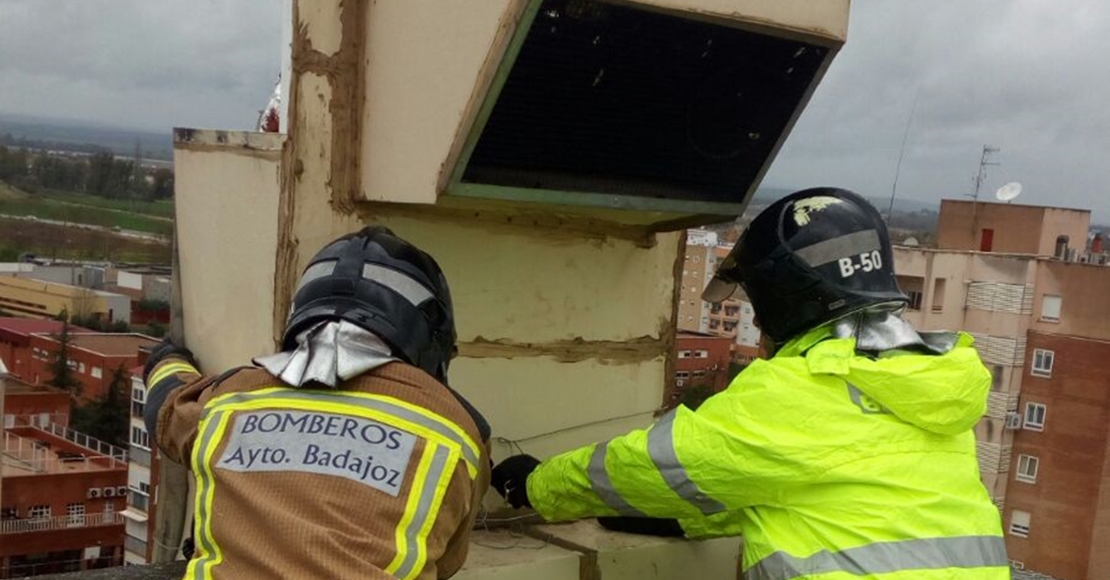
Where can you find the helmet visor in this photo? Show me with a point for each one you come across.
(718, 290)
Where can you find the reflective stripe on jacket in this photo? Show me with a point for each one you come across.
(380, 479)
(829, 463)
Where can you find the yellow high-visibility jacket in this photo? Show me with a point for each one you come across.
(830, 464)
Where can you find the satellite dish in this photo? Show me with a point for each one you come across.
(1008, 192)
(911, 241)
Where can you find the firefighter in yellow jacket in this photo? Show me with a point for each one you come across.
(345, 455)
(849, 454)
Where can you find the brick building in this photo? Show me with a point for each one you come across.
(1025, 282)
(60, 491)
(94, 358)
(701, 361)
(15, 342)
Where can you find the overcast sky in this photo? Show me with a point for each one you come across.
(1027, 76)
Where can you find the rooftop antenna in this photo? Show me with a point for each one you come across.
(983, 163)
(979, 177)
(1008, 192)
(901, 155)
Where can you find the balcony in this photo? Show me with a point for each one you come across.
(28, 525)
(139, 456)
(139, 500)
(33, 454)
(134, 545)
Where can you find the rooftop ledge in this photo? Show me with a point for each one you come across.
(580, 550)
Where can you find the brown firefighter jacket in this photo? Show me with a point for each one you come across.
(381, 478)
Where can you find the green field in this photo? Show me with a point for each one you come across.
(161, 208)
(87, 209)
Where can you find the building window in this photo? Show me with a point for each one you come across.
(683, 354)
(38, 512)
(915, 300)
(996, 377)
(1034, 416)
(682, 375)
(1019, 524)
(914, 287)
(139, 437)
(696, 259)
(96, 374)
(938, 295)
(699, 374)
(1050, 307)
(1027, 469)
(81, 368)
(701, 354)
(1042, 362)
(75, 514)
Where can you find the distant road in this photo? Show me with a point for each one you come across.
(146, 236)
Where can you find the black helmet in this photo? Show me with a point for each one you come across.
(381, 283)
(811, 257)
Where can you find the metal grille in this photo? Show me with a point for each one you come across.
(612, 99)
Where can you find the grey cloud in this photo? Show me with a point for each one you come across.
(1022, 75)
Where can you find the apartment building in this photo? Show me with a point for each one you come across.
(1025, 282)
(142, 480)
(60, 491)
(697, 269)
(733, 318)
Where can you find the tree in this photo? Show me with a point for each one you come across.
(63, 375)
(108, 416)
(162, 188)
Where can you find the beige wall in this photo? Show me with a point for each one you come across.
(1064, 222)
(226, 206)
(700, 262)
(1019, 229)
(37, 299)
(1085, 310)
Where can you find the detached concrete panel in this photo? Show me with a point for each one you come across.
(552, 407)
(618, 556)
(227, 205)
(533, 285)
(501, 555)
(423, 62)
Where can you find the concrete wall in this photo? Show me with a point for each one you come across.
(226, 211)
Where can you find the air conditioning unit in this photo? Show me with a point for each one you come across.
(109, 492)
(1013, 421)
(679, 382)
(93, 493)
(121, 491)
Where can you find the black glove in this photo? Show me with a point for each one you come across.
(510, 479)
(166, 349)
(663, 527)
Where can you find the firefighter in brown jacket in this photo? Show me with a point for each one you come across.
(345, 455)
